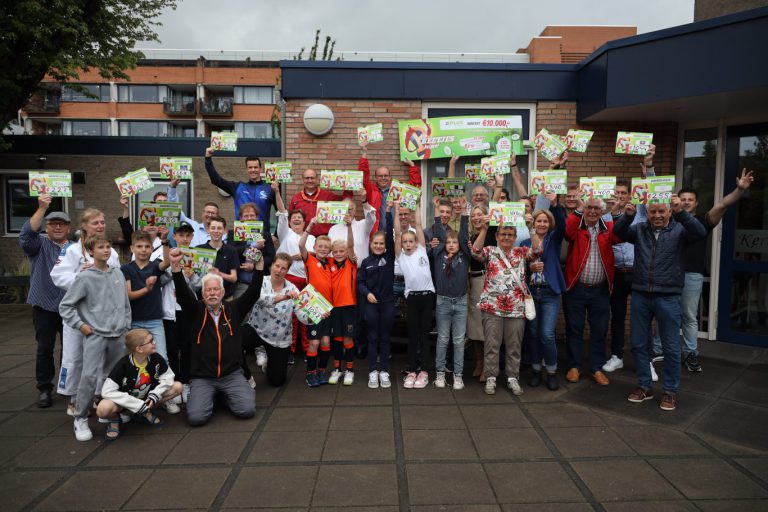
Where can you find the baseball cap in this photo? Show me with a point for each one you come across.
(58, 216)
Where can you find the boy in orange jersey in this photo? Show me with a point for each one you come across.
(344, 315)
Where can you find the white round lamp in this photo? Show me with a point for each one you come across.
(318, 119)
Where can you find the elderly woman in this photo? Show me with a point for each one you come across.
(502, 301)
(270, 322)
(546, 283)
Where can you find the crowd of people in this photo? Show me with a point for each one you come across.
(152, 333)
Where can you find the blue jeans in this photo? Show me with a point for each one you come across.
(451, 316)
(157, 329)
(666, 310)
(694, 282)
(595, 304)
(542, 328)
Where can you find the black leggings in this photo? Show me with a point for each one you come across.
(277, 358)
(419, 322)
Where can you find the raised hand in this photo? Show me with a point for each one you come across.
(746, 180)
(44, 201)
(208, 152)
(648, 157)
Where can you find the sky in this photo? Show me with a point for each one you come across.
(478, 26)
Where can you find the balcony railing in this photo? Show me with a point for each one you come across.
(46, 105)
(178, 107)
(217, 107)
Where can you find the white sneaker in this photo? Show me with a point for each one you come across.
(514, 385)
(373, 379)
(384, 380)
(171, 408)
(185, 393)
(335, 376)
(490, 385)
(614, 363)
(458, 383)
(440, 380)
(654, 375)
(349, 377)
(261, 356)
(82, 430)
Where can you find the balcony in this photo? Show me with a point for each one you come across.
(49, 104)
(179, 107)
(217, 107)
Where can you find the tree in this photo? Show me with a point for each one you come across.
(330, 44)
(62, 38)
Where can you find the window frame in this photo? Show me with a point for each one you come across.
(21, 176)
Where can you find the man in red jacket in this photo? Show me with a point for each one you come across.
(306, 200)
(589, 283)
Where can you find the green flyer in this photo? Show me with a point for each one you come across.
(548, 144)
(542, 182)
(408, 195)
(597, 187)
(578, 140)
(313, 303)
(370, 133)
(199, 260)
(448, 187)
(660, 189)
(475, 173)
(507, 214)
(443, 137)
(53, 183)
(278, 171)
(341, 180)
(175, 168)
(248, 230)
(224, 141)
(134, 182)
(159, 214)
(633, 143)
(331, 212)
(495, 165)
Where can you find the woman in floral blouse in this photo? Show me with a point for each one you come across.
(502, 301)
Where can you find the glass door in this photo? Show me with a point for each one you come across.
(743, 301)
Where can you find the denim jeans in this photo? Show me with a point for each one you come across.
(451, 315)
(689, 304)
(542, 328)
(666, 310)
(595, 304)
(157, 329)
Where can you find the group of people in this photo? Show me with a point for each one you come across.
(153, 333)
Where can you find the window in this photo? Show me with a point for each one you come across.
(19, 207)
(97, 128)
(253, 95)
(89, 92)
(141, 93)
(181, 131)
(143, 128)
(254, 130)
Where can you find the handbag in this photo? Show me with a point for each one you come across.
(528, 306)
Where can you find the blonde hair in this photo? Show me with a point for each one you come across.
(134, 338)
(88, 215)
(323, 238)
(550, 217)
(472, 230)
(337, 243)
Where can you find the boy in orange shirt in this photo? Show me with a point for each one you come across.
(343, 316)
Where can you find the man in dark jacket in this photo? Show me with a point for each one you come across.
(215, 351)
(657, 283)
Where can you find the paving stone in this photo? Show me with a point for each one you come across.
(377, 485)
(7, 384)
(208, 447)
(448, 484)
(390, 508)
(36, 423)
(720, 375)
(588, 442)
(17, 400)
(429, 395)
(52, 452)
(513, 443)
(19, 488)
(297, 393)
(114, 488)
(137, 450)
(651, 440)
(231, 423)
(361, 418)
(474, 393)
(265, 394)
(750, 386)
(438, 445)
(192, 487)
(299, 419)
(272, 487)
(758, 467)
(173, 424)
(359, 394)
(735, 422)
(14, 445)
(624, 480)
(564, 415)
(288, 447)
(732, 505)
(728, 447)
(456, 508)
(656, 506)
(431, 417)
(494, 416)
(23, 370)
(359, 445)
(708, 479)
(532, 482)
(547, 507)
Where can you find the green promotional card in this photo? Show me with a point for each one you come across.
(313, 303)
(578, 140)
(548, 144)
(370, 133)
(541, 182)
(507, 214)
(408, 195)
(175, 168)
(597, 187)
(448, 187)
(159, 214)
(53, 183)
(444, 137)
(134, 182)
(331, 212)
(224, 141)
(341, 180)
(475, 173)
(495, 165)
(277, 171)
(660, 189)
(248, 231)
(633, 143)
(199, 260)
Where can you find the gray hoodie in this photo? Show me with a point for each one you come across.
(98, 299)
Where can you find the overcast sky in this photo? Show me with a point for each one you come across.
(500, 26)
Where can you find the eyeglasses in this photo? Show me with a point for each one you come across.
(151, 340)
(593, 208)
(506, 234)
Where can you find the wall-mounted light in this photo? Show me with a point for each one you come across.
(318, 119)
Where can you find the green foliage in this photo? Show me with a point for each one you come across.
(330, 44)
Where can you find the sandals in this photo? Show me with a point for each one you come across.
(153, 421)
(113, 433)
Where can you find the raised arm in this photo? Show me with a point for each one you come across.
(398, 232)
(414, 173)
(173, 197)
(227, 186)
(184, 295)
(303, 239)
(464, 235)
(350, 238)
(419, 229)
(452, 166)
(29, 238)
(438, 231)
(517, 179)
(715, 215)
(477, 247)
(279, 204)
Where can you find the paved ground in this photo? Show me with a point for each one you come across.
(336, 448)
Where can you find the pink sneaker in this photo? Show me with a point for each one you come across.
(410, 380)
(421, 380)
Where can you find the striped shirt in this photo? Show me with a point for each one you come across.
(42, 254)
(593, 273)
